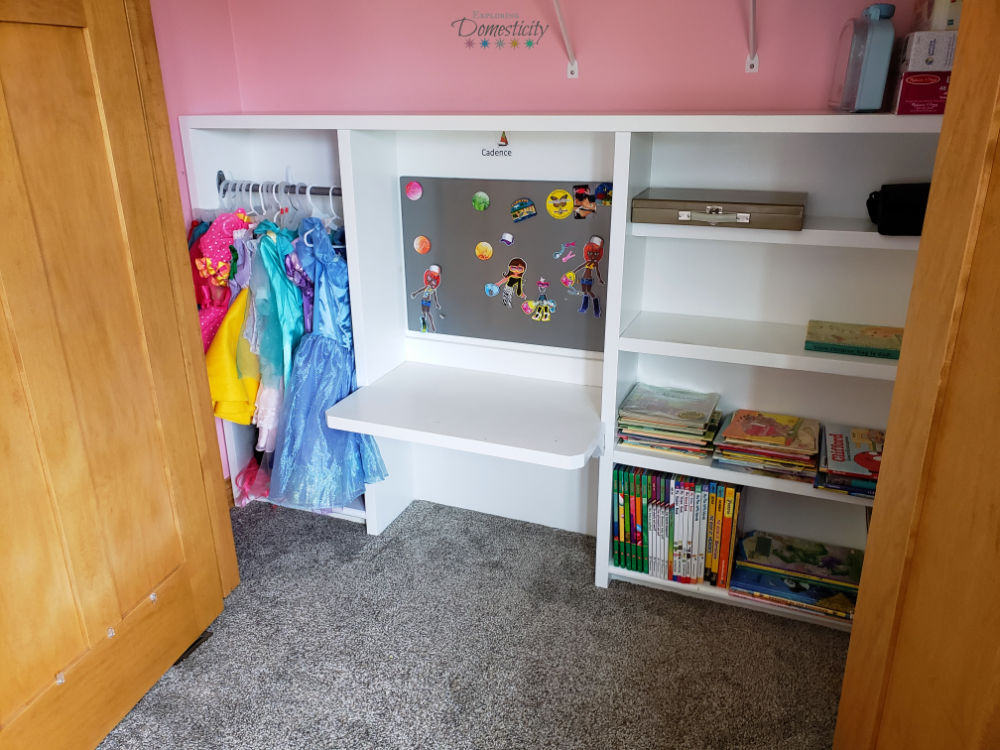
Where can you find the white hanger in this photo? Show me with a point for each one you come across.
(223, 188)
(312, 206)
(334, 218)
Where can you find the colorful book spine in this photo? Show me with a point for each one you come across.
(645, 521)
(614, 517)
(689, 486)
(627, 526)
(733, 537)
(671, 524)
(720, 501)
(621, 516)
(727, 527)
(710, 532)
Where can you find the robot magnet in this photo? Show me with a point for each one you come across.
(428, 296)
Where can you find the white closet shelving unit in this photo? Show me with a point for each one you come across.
(528, 432)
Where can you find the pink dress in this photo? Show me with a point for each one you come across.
(212, 263)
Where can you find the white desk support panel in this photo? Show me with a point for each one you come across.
(523, 419)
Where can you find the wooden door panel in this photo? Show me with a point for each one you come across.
(110, 390)
(34, 573)
(108, 563)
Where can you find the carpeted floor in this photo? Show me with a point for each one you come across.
(460, 630)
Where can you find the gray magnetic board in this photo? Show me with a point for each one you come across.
(445, 222)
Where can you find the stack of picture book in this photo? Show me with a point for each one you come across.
(850, 338)
(797, 573)
(778, 445)
(850, 459)
(669, 421)
(672, 527)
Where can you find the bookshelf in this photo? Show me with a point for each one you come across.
(528, 432)
(747, 342)
(822, 231)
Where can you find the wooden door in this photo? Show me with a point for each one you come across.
(923, 669)
(115, 549)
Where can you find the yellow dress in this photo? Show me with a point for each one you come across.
(233, 370)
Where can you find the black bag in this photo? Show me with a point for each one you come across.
(899, 209)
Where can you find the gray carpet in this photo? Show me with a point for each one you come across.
(460, 630)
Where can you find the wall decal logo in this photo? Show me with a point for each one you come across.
(502, 30)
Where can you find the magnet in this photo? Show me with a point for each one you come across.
(562, 250)
(583, 202)
(414, 190)
(568, 279)
(559, 204)
(603, 193)
(542, 308)
(484, 251)
(507, 238)
(429, 296)
(492, 290)
(480, 201)
(422, 245)
(522, 208)
(511, 283)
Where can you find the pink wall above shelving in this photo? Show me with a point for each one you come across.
(636, 56)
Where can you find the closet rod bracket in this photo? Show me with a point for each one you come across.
(572, 66)
(753, 64)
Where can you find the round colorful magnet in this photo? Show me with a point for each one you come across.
(492, 290)
(559, 204)
(507, 238)
(568, 279)
(602, 193)
(480, 201)
(484, 251)
(414, 190)
(522, 208)
(422, 245)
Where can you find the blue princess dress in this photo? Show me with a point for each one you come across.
(317, 468)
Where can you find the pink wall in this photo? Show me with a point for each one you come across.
(311, 56)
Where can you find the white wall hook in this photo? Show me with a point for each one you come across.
(572, 67)
(753, 64)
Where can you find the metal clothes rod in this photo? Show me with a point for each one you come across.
(220, 177)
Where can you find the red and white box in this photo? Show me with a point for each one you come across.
(921, 93)
(924, 75)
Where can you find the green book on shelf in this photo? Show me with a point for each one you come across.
(646, 479)
(850, 338)
(615, 473)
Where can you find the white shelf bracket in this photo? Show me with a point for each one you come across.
(572, 67)
(753, 64)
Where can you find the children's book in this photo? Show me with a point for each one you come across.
(851, 338)
(811, 595)
(727, 530)
(614, 514)
(756, 428)
(853, 451)
(672, 405)
(801, 558)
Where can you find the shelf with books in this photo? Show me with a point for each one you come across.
(823, 231)
(447, 407)
(706, 591)
(705, 468)
(746, 342)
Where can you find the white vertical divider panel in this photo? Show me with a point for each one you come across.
(369, 176)
(374, 250)
(617, 248)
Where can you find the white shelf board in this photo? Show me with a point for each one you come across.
(743, 342)
(705, 591)
(524, 419)
(707, 469)
(806, 122)
(817, 230)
